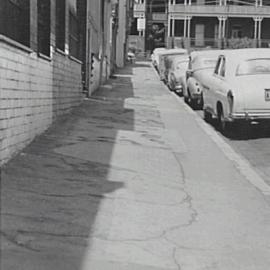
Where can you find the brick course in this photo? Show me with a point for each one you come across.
(33, 92)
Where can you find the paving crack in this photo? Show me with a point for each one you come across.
(14, 240)
(175, 259)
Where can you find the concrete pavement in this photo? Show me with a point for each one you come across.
(132, 180)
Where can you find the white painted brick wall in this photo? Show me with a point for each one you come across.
(33, 91)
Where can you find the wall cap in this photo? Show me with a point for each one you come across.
(15, 44)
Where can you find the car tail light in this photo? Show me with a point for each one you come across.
(230, 101)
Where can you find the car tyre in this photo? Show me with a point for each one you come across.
(223, 125)
(207, 116)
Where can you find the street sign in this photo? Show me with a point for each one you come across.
(141, 24)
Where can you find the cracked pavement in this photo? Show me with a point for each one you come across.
(129, 181)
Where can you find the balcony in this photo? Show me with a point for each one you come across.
(156, 16)
(216, 10)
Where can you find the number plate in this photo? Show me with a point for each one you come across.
(267, 94)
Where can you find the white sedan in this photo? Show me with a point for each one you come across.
(163, 55)
(239, 89)
(177, 74)
(201, 66)
(155, 56)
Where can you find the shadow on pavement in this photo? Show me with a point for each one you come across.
(52, 191)
(249, 132)
(139, 64)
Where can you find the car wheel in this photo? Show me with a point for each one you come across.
(222, 125)
(200, 103)
(192, 103)
(189, 99)
(172, 86)
(226, 128)
(196, 104)
(207, 116)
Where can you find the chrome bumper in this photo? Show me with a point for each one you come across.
(249, 116)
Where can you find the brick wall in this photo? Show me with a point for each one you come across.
(33, 91)
(67, 84)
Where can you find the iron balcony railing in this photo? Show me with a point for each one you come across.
(211, 11)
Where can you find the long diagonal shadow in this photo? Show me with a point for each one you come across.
(52, 191)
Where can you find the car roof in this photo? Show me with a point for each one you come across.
(248, 53)
(159, 49)
(206, 53)
(179, 58)
(235, 56)
(174, 51)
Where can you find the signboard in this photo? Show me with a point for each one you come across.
(159, 17)
(141, 24)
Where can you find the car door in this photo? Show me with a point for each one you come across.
(188, 72)
(220, 86)
(212, 91)
(209, 89)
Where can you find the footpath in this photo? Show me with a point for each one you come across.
(132, 180)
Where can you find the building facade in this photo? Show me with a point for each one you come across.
(52, 54)
(218, 23)
(204, 23)
(125, 15)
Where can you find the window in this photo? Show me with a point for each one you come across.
(211, 2)
(254, 66)
(222, 68)
(218, 66)
(158, 6)
(44, 28)
(236, 31)
(74, 37)
(133, 28)
(179, 1)
(60, 24)
(179, 28)
(183, 65)
(266, 2)
(14, 21)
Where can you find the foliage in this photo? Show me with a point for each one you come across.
(237, 43)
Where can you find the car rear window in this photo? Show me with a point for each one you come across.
(209, 62)
(204, 63)
(254, 66)
(182, 65)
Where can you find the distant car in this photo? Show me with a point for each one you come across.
(162, 67)
(176, 78)
(155, 54)
(131, 57)
(239, 89)
(201, 66)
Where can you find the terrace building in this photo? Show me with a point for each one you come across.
(215, 22)
(204, 23)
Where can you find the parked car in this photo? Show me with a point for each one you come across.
(131, 58)
(162, 60)
(176, 78)
(154, 56)
(201, 66)
(239, 89)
